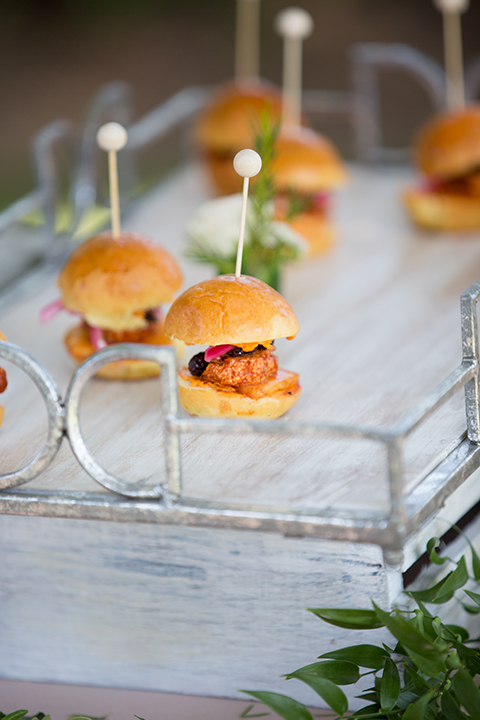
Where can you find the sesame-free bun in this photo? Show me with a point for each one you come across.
(77, 342)
(449, 145)
(306, 162)
(206, 401)
(442, 211)
(227, 122)
(230, 310)
(112, 281)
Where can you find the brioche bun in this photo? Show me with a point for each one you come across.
(206, 401)
(112, 281)
(449, 145)
(230, 310)
(79, 346)
(442, 211)
(226, 123)
(306, 162)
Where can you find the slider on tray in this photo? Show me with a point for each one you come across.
(239, 318)
(116, 286)
(447, 153)
(306, 170)
(227, 125)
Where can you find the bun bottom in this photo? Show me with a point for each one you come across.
(2, 413)
(206, 401)
(317, 230)
(77, 342)
(442, 211)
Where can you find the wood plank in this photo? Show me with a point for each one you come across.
(379, 320)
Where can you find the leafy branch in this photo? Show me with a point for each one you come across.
(429, 672)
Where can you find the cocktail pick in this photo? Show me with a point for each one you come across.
(112, 137)
(452, 42)
(294, 25)
(247, 164)
(247, 40)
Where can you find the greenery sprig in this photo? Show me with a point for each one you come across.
(266, 251)
(429, 672)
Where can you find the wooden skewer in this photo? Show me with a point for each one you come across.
(112, 137)
(294, 25)
(247, 164)
(453, 53)
(247, 41)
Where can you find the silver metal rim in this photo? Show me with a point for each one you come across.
(120, 351)
(55, 413)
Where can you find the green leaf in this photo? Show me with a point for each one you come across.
(471, 609)
(245, 713)
(428, 657)
(405, 699)
(473, 596)
(350, 619)
(450, 707)
(367, 710)
(16, 715)
(445, 589)
(456, 631)
(284, 706)
(390, 687)
(467, 692)
(338, 671)
(369, 656)
(328, 691)
(417, 711)
(475, 558)
(432, 544)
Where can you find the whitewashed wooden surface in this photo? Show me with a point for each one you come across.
(380, 328)
(182, 610)
(207, 612)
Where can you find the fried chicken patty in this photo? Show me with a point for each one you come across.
(3, 380)
(252, 368)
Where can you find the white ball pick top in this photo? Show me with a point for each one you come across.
(448, 6)
(112, 137)
(247, 163)
(294, 22)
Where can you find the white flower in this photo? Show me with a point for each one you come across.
(216, 225)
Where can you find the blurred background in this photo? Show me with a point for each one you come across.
(55, 54)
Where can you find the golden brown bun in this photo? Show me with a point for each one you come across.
(449, 145)
(226, 124)
(442, 211)
(77, 342)
(306, 162)
(2, 413)
(207, 401)
(2, 336)
(222, 175)
(230, 310)
(111, 282)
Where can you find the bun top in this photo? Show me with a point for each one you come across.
(226, 124)
(306, 161)
(449, 145)
(112, 281)
(230, 310)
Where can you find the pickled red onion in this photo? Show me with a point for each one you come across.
(50, 311)
(96, 338)
(322, 200)
(216, 351)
